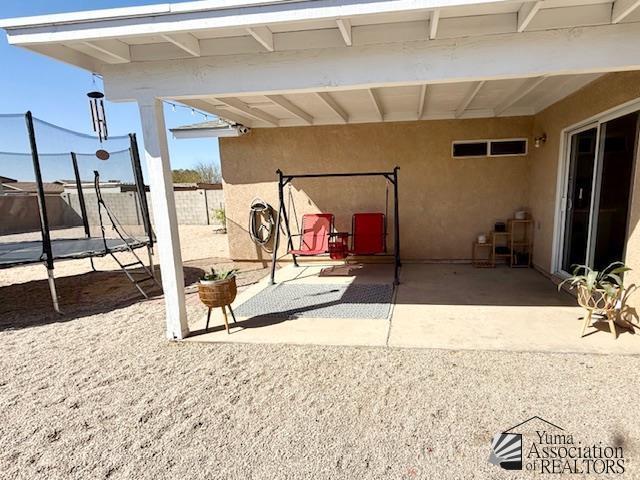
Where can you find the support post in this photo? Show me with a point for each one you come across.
(140, 186)
(286, 219)
(166, 220)
(42, 208)
(83, 206)
(396, 227)
(276, 240)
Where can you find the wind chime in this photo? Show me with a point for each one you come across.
(99, 120)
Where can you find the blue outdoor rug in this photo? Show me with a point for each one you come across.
(319, 301)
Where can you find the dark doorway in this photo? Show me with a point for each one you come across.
(579, 192)
(618, 147)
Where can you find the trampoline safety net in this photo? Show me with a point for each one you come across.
(48, 199)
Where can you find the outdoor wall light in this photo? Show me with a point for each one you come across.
(541, 140)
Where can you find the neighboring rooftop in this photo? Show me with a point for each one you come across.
(50, 188)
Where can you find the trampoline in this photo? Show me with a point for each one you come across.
(38, 153)
(24, 253)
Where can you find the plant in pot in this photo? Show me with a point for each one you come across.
(598, 291)
(221, 217)
(218, 289)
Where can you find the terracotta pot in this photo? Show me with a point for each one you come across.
(217, 293)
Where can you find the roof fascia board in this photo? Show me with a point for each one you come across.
(47, 29)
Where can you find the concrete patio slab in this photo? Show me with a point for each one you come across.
(438, 306)
(303, 331)
(460, 307)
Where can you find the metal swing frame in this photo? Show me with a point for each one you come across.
(285, 179)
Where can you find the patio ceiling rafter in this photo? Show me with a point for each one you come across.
(344, 25)
(333, 105)
(263, 36)
(471, 94)
(422, 100)
(529, 86)
(110, 51)
(231, 116)
(375, 99)
(242, 107)
(184, 41)
(622, 9)
(434, 18)
(526, 14)
(283, 102)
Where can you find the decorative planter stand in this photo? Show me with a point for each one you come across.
(599, 303)
(219, 293)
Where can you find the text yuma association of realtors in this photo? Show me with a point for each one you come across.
(559, 453)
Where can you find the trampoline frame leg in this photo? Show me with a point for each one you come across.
(93, 267)
(52, 289)
(151, 267)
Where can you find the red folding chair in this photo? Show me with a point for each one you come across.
(369, 235)
(314, 239)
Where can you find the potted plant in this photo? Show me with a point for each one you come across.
(221, 217)
(598, 291)
(218, 289)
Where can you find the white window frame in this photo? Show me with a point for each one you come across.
(488, 143)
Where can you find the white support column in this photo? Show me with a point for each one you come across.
(164, 213)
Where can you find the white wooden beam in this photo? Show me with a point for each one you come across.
(600, 49)
(251, 111)
(283, 102)
(344, 25)
(376, 103)
(434, 19)
(527, 87)
(526, 13)
(333, 105)
(115, 49)
(263, 36)
(622, 9)
(471, 94)
(186, 42)
(422, 101)
(165, 217)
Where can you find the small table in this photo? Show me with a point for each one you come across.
(482, 262)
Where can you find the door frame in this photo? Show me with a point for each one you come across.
(563, 171)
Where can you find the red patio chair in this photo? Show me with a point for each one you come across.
(369, 234)
(314, 239)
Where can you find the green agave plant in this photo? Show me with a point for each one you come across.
(609, 280)
(219, 275)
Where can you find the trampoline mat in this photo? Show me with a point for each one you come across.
(364, 301)
(22, 253)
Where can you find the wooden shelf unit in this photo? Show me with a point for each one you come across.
(521, 235)
(482, 262)
(515, 242)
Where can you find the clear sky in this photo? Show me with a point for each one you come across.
(56, 92)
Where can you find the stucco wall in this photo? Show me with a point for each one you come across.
(444, 202)
(603, 94)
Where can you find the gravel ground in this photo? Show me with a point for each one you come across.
(99, 393)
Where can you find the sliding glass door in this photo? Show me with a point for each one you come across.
(579, 190)
(597, 192)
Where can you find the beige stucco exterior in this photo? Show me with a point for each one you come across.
(444, 202)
